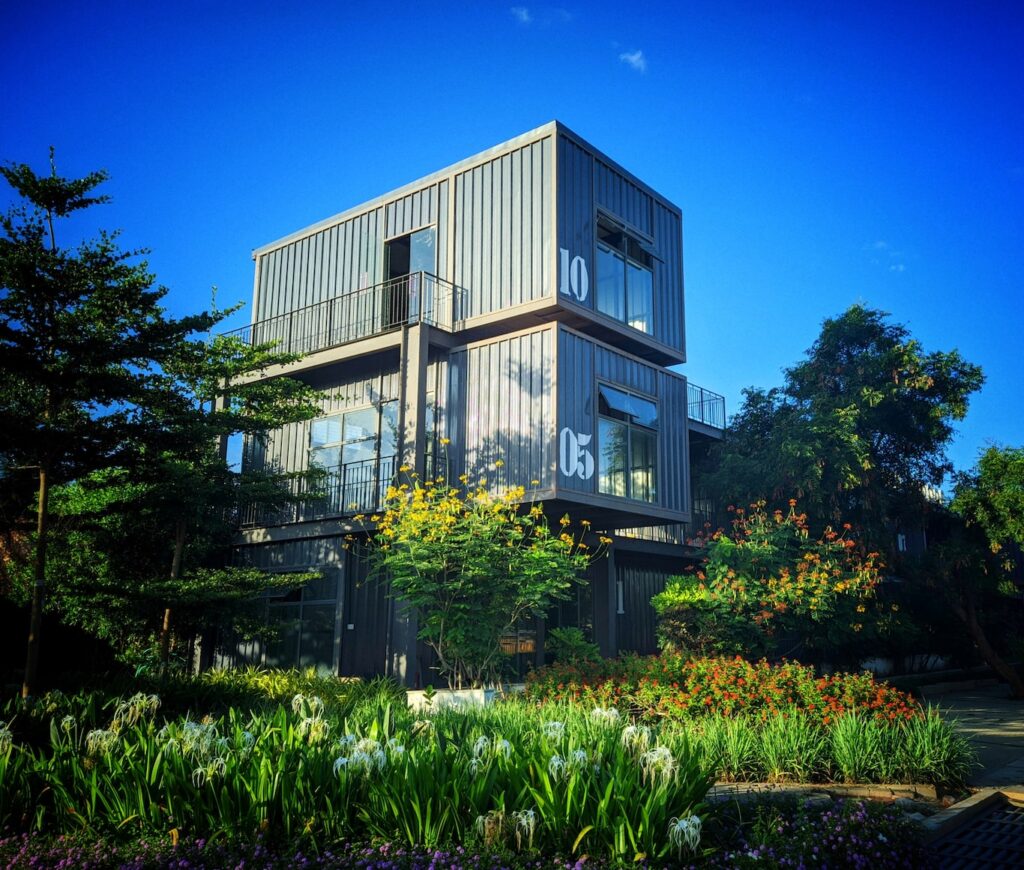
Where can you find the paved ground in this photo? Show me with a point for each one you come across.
(995, 725)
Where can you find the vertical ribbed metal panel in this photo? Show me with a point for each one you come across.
(577, 404)
(322, 265)
(498, 406)
(411, 212)
(287, 448)
(576, 212)
(669, 297)
(636, 626)
(292, 555)
(674, 452)
(503, 229)
(581, 364)
(621, 197)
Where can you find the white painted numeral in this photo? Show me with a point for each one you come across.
(574, 459)
(575, 281)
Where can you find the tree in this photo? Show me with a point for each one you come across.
(473, 564)
(975, 562)
(858, 429)
(82, 337)
(767, 582)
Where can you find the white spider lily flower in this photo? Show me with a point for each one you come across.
(636, 737)
(99, 741)
(135, 708)
(554, 730)
(658, 764)
(340, 764)
(481, 746)
(367, 745)
(199, 777)
(606, 716)
(557, 768)
(247, 739)
(297, 703)
(67, 724)
(525, 822)
(314, 729)
(503, 747)
(685, 831)
(6, 738)
(346, 740)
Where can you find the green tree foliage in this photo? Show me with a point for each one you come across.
(770, 587)
(82, 336)
(975, 555)
(858, 428)
(126, 411)
(473, 565)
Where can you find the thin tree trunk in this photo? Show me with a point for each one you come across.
(39, 587)
(969, 616)
(165, 628)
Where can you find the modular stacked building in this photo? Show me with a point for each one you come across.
(512, 317)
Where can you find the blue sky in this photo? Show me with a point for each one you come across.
(822, 154)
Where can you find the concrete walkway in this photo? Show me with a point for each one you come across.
(994, 723)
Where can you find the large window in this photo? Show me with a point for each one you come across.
(356, 449)
(627, 431)
(302, 625)
(625, 277)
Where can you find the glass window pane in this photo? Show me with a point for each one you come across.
(611, 457)
(360, 424)
(643, 465)
(624, 406)
(640, 302)
(611, 283)
(326, 430)
(316, 643)
(324, 589)
(359, 451)
(421, 251)
(325, 457)
(283, 645)
(389, 429)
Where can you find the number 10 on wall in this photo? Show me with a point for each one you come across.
(574, 280)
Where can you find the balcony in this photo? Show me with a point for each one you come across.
(705, 407)
(357, 314)
(342, 491)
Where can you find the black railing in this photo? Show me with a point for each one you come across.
(342, 491)
(416, 298)
(705, 407)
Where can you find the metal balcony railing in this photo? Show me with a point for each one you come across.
(415, 298)
(705, 407)
(342, 491)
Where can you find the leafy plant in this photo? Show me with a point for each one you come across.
(570, 646)
(473, 564)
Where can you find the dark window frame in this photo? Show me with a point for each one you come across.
(631, 425)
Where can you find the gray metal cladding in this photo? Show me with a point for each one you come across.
(320, 266)
(503, 227)
(616, 193)
(582, 364)
(669, 295)
(292, 555)
(576, 213)
(497, 406)
(411, 212)
(587, 183)
(287, 448)
(635, 630)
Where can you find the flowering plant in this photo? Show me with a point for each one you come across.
(473, 564)
(769, 579)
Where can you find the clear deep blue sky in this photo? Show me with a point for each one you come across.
(822, 154)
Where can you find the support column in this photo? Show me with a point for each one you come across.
(610, 647)
(412, 422)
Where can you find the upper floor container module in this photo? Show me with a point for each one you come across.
(542, 226)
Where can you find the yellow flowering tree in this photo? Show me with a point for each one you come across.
(473, 564)
(771, 580)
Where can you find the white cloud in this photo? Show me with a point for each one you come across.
(897, 267)
(635, 59)
(521, 14)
